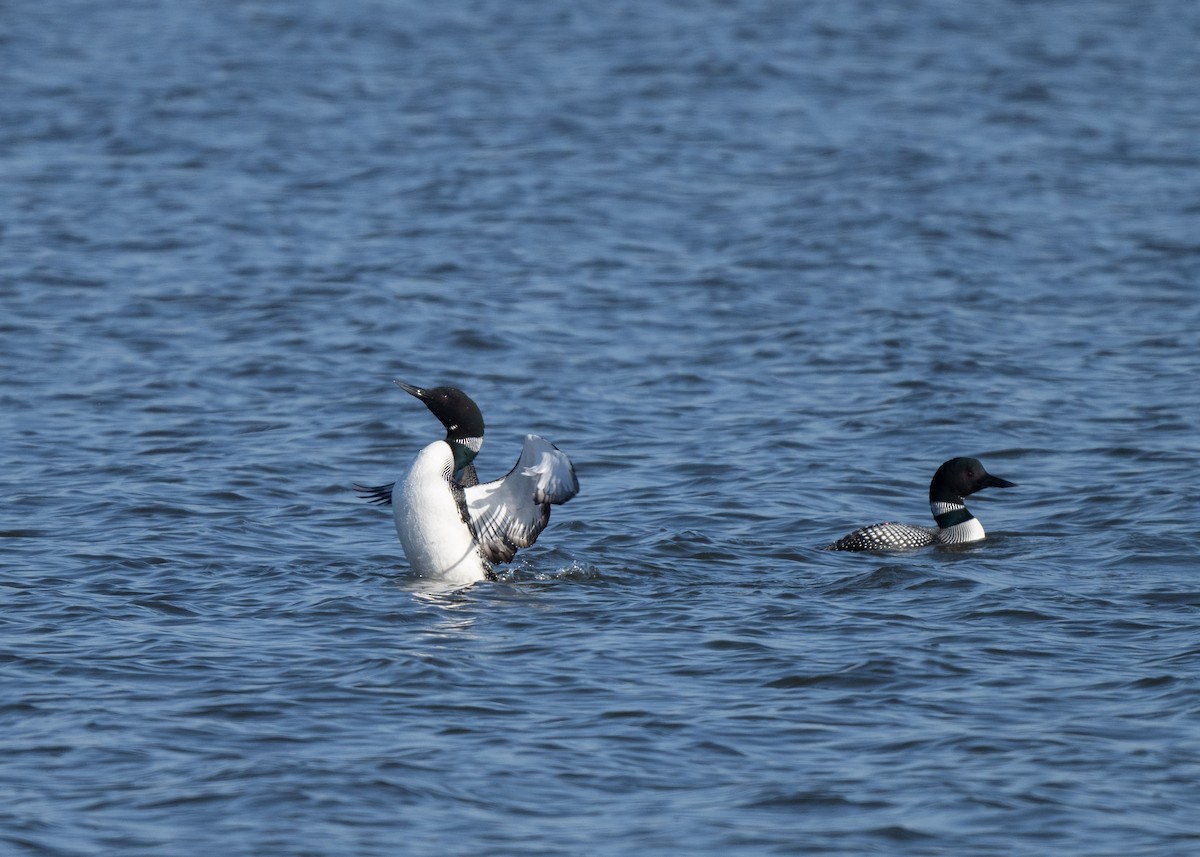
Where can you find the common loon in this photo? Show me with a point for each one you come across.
(954, 480)
(451, 526)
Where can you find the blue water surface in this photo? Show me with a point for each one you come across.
(758, 268)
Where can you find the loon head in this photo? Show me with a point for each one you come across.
(960, 477)
(461, 417)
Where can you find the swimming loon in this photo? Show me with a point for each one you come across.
(954, 480)
(451, 526)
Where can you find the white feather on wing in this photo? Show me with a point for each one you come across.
(509, 513)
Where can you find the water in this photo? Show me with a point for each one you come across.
(758, 268)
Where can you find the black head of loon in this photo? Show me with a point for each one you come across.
(461, 417)
(961, 477)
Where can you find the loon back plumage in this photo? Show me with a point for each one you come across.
(450, 525)
(885, 536)
(954, 480)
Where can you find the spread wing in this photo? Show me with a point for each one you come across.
(510, 513)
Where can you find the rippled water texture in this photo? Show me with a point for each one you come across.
(758, 268)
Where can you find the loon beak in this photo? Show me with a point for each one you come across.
(990, 481)
(411, 390)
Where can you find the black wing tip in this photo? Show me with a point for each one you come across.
(380, 495)
(498, 554)
(842, 544)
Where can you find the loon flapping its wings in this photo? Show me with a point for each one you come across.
(452, 526)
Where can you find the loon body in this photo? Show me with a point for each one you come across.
(954, 480)
(450, 525)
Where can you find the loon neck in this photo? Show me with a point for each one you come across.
(948, 513)
(465, 449)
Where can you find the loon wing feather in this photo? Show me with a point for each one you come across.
(379, 494)
(509, 513)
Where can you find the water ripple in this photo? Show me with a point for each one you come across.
(757, 270)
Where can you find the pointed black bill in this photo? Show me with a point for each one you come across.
(453, 408)
(991, 481)
(410, 389)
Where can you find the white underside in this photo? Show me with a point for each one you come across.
(436, 541)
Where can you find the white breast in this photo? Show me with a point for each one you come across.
(968, 531)
(436, 540)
